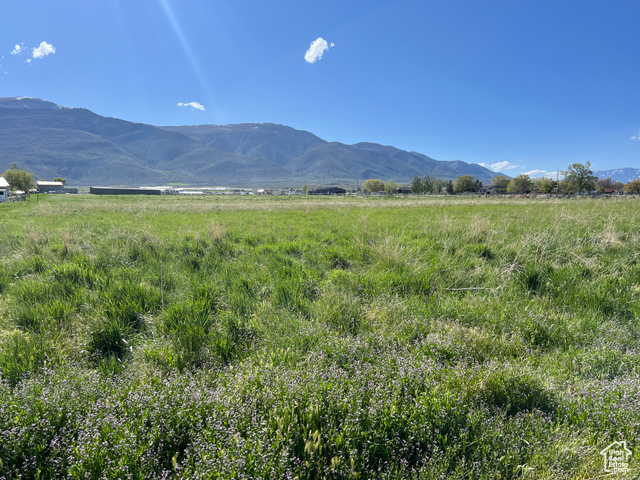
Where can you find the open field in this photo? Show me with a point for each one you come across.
(209, 337)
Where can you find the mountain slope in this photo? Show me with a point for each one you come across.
(314, 159)
(279, 143)
(86, 148)
(623, 175)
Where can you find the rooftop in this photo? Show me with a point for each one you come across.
(42, 183)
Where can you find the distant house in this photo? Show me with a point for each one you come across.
(403, 190)
(49, 187)
(4, 190)
(492, 190)
(328, 191)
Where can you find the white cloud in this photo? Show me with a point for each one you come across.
(541, 173)
(194, 105)
(499, 166)
(317, 49)
(43, 50)
(636, 136)
(18, 49)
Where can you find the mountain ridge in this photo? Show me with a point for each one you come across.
(624, 175)
(86, 148)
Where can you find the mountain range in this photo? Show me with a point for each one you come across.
(624, 175)
(88, 149)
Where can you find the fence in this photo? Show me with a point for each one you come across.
(17, 198)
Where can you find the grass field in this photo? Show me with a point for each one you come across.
(208, 337)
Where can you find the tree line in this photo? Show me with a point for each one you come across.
(576, 179)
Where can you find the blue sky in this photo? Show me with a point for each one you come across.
(523, 86)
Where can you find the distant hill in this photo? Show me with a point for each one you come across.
(623, 175)
(86, 148)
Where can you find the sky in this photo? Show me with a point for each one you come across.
(517, 85)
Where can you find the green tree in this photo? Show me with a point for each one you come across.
(520, 184)
(305, 188)
(633, 187)
(390, 187)
(565, 186)
(19, 179)
(464, 183)
(428, 184)
(60, 179)
(373, 185)
(579, 178)
(431, 184)
(544, 184)
(500, 182)
(449, 188)
(417, 186)
(437, 185)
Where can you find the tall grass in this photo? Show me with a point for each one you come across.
(317, 338)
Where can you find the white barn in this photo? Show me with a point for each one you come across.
(4, 190)
(45, 187)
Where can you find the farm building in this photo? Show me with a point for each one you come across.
(49, 187)
(126, 191)
(328, 191)
(4, 190)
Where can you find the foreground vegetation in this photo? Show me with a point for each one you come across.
(181, 337)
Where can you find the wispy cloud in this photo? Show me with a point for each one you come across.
(636, 136)
(18, 49)
(43, 50)
(499, 166)
(194, 105)
(316, 50)
(540, 173)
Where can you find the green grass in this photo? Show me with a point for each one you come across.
(209, 337)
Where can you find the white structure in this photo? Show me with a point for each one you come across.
(4, 190)
(49, 186)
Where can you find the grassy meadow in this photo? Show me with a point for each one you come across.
(274, 337)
